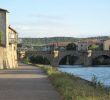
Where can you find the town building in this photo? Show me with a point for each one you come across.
(82, 46)
(85, 44)
(60, 46)
(106, 45)
(8, 43)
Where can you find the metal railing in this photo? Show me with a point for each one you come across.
(12, 40)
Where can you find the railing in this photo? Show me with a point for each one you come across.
(12, 40)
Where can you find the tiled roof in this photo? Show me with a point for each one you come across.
(59, 43)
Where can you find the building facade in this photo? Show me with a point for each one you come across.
(8, 43)
(83, 46)
(106, 45)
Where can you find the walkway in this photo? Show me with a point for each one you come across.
(26, 83)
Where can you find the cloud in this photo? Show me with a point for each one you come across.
(46, 16)
(44, 30)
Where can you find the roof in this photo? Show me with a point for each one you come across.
(90, 41)
(4, 10)
(59, 43)
(12, 29)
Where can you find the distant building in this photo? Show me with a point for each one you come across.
(106, 45)
(8, 42)
(84, 45)
(61, 46)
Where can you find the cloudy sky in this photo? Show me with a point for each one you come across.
(48, 18)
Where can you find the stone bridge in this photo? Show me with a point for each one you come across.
(84, 58)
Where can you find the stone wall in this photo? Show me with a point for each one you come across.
(8, 58)
(2, 57)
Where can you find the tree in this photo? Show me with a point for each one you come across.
(71, 46)
(93, 47)
(19, 45)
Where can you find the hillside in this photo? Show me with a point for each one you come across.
(41, 41)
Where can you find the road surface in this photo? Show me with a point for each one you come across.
(26, 83)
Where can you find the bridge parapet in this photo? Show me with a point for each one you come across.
(100, 53)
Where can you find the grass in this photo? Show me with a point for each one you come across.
(74, 88)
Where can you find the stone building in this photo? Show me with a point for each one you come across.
(85, 44)
(8, 43)
(106, 45)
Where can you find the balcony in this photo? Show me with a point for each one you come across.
(12, 41)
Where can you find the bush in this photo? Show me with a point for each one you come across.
(39, 60)
(71, 46)
(96, 83)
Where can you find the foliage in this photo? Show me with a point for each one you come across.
(93, 47)
(39, 60)
(71, 46)
(26, 61)
(73, 88)
(19, 45)
(96, 82)
(41, 41)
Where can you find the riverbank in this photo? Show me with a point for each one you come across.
(100, 73)
(74, 88)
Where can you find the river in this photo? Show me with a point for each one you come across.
(102, 73)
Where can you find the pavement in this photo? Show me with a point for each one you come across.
(26, 83)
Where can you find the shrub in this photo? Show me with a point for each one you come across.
(96, 82)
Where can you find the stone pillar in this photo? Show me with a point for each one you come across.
(87, 58)
(54, 62)
(55, 56)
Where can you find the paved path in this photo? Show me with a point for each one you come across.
(26, 83)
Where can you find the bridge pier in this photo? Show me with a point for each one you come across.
(87, 61)
(87, 58)
(54, 62)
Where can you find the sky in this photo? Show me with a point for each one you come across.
(50, 18)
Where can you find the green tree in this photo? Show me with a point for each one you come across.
(93, 47)
(19, 45)
(71, 46)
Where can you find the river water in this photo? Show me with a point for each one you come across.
(102, 73)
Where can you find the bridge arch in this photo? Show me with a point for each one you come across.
(68, 60)
(101, 60)
(69, 55)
